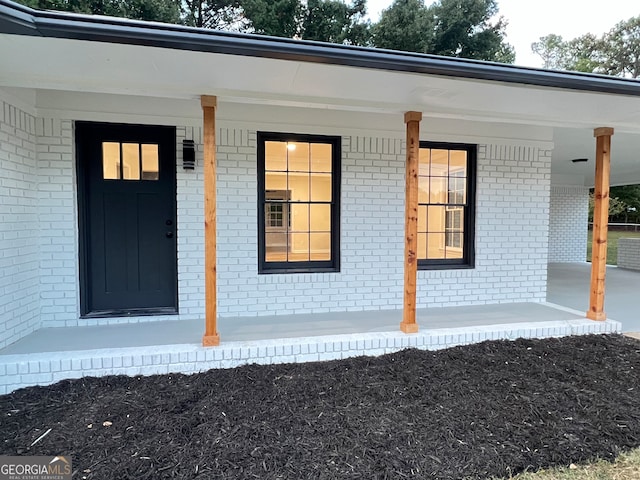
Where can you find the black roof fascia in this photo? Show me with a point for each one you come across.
(21, 20)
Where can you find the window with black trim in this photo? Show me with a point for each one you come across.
(446, 213)
(298, 203)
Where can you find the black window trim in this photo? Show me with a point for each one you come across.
(332, 265)
(468, 255)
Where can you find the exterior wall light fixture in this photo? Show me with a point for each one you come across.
(188, 155)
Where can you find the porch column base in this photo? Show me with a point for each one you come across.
(210, 340)
(597, 316)
(409, 327)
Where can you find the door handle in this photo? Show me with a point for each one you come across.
(169, 234)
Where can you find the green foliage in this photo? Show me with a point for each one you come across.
(336, 22)
(616, 52)
(407, 25)
(617, 206)
(579, 54)
(459, 28)
(322, 20)
(620, 50)
(167, 11)
(215, 14)
(280, 18)
(463, 28)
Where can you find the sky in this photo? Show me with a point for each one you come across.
(530, 20)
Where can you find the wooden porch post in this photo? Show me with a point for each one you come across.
(600, 223)
(408, 324)
(211, 336)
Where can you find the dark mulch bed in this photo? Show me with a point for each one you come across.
(470, 412)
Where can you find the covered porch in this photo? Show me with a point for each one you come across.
(52, 354)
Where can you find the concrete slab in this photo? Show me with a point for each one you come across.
(171, 332)
(568, 285)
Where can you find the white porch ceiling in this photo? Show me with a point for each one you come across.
(95, 67)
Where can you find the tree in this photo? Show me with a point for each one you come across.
(630, 196)
(336, 22)
(279, 18)
(616, 52)
(616, 206)
(214, 14)
(619, 53)
(463, 28)
(406, 25)
(580, 54)
(460, 28)
(167, 11)
(323, 20)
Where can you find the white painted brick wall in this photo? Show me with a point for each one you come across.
(512, 208)
(59, 229)
(629, 253)
(19, 292)
(568, 220)
(511, 232)
(58, 222)
(511, 249)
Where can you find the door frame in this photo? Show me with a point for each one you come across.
(82, 177)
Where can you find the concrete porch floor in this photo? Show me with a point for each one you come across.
(50, 355)
(243, 329)
(568, 285)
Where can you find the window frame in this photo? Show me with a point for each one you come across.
(469, 211)
(312, 266)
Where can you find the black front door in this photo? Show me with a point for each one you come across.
(127, 200)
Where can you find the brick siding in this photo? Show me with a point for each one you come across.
(569, 213)
(19, 261)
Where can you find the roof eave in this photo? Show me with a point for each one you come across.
(20, 20)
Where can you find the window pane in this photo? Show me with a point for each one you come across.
(458, 163)
(422, 245)
(131, 161)
(424, 159)
(439, 163)
(455, 219)
(320, 157)
(457, 190)
(438, 190)
(299, 186)
(275, 216)
(150, 165)
(299, 251)
(110, 160)
(275, 156)
(454, 245)
(320, 187)
(435, 246)
(435, 219)
(299, 201)
(423, 189)
(422, 219)
(299, 217)
(276, 246)
(275, 182)
(298, 157)
(320, 246)
(320, 218)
